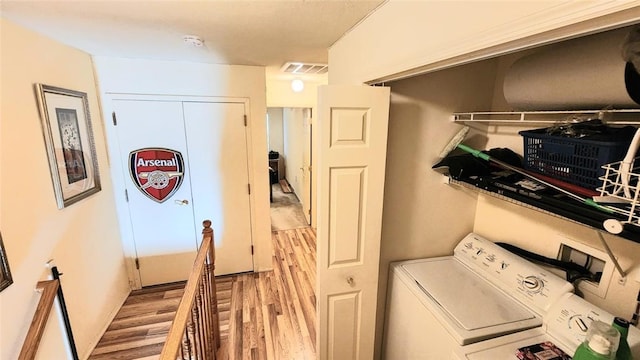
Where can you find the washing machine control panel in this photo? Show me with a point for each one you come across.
(531, 284)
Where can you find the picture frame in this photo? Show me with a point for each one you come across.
(68, 136)
(5, 273)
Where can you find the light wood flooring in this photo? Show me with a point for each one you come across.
(266, 315)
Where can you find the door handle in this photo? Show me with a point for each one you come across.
(350, 280)
(181, 202)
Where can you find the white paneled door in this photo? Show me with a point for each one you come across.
(216, 139)
(184, 162)
(353, 135)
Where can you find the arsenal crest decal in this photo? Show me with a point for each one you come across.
(157, 172)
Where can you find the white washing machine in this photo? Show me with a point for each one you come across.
(437, 306)
(565, 326)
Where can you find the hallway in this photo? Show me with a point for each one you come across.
(266, 315)
(272, 315)
(286, 210)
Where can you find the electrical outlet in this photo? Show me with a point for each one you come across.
(593, 259)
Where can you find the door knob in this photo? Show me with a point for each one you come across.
(181, 202)
(350, 280)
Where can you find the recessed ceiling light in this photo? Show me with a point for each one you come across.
(193, 40)
(297, 85)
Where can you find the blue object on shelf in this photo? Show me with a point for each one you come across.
(574, 160)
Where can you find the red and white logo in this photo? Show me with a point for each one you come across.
(157, 172)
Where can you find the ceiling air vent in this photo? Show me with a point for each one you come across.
(304, 68)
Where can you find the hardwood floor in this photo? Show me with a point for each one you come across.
(266, 315)
(139, 329)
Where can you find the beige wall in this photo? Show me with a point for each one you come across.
(276, 133)
(148, 77)
(82, 238)
(293, 119)
(279, 93)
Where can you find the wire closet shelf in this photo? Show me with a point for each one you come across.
(609, 116)
(622, 188)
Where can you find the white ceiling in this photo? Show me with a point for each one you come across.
(258, 32)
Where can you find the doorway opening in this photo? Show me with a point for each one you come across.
(289, 141)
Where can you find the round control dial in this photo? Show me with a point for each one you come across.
(579, 324)
(533, 283)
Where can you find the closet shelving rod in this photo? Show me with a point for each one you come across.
(613, 117)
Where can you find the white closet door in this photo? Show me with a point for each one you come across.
(217, 148)
(164, 234)
(353, 140)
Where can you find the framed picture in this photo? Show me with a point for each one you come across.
(5, 274)
(68, 136)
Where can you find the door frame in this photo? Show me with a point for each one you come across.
(307, 188)
(119, 175)
(307, 191)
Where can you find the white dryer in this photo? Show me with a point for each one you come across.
(436, 306)
(565, 326)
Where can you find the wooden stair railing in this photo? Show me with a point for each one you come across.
(49, 290)
(195, 331)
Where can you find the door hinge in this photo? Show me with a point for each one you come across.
(251, 249)
(126, 195)
(137, 264)
(113, 117)
(249, 188)
(245, 120)
(309, 211)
